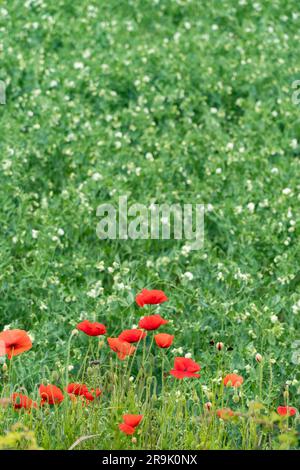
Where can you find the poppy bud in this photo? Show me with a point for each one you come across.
(236, 398)
(258, 357)
(101, 344)
(219, 346)
(208, 405)
(286, 394)
(134, 440)
(4, 367)
(55, 376)
(90, 371)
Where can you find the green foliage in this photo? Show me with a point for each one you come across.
(164, 101)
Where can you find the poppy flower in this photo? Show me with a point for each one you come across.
(76, 389)
(152, 322)
(15, 341)
(50, 394)
(92, 394)
(152, 297)
(233, 380)
(122, 348)
(132, 420)
(225, 413)
(132, 336)
(91, 328)
(129, 430)
(163, 340)
(286, 410)
(22, 401)
(185, 367)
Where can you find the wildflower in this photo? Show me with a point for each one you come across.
(91, 328)
(50, 394)
(233, 380)
(22, 401)
(220, 346)
(15, 342)
(126, 429)
(286, 410)
(184, 367)
(152, 297)
(152, 322)
(163, 340)
(122, 348)
(208, 406)
(76, 389)
(225, 413)
(92, 394)
(132, 336)
(130, 422)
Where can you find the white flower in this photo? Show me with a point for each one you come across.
(274, 318)
(149, 157)
(34, 233)
(251, 207)
(97, 177)
(294, 143)
(78, 65)
(189, 276)
(286, 191)
(60, 232)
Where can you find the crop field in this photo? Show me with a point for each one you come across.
(149, 342)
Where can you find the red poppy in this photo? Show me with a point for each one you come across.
(91, 328)
(77, 389)
(122, 348)
(132, 420)
(126, 429)
(286, 410)
(163, 340)
(22, 401)
(152, 322)
(225, 413)
(184, 367)
(82, 390)
(132, 336)
(50, 394)
(152, 297)
(92, 394)
(233, 380)
(15, 341)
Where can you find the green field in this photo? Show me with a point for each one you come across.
(164, 101)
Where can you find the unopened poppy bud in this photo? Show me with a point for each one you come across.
(4, 367)
(208, 405)
(55, 376)
(134, 440)
(258, 357)
(236, 398)
(220, 346)
(101, 344)
(286, 394)
(75, 332)
(90, 371)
